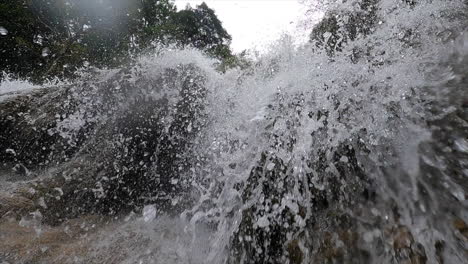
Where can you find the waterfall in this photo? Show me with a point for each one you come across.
(350, 149)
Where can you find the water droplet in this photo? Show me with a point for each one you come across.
(45, 52)
(461, 145)
(3, 31)
(149, 213)
(368, 237)
(270, 166)
(42, 203)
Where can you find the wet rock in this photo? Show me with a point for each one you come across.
(341, 246)
(129, 146)
(285, 205)
(25, 121)
(407, 250)
(461, 227)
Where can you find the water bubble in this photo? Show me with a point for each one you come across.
(59, 190)
(11, 151)
(3, 31)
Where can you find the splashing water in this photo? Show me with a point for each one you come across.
(306, 157)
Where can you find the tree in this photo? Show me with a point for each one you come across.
(30, 36)
(200, 28)
(54, 38)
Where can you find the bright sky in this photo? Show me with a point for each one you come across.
(254, 24)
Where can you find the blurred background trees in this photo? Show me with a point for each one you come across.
(43, 39)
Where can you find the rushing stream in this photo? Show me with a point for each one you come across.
(350, 149)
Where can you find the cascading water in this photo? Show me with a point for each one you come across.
(355, 153)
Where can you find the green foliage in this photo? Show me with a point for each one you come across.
(235, 61)
(200, 27)
(54, 38)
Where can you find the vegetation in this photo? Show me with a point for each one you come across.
(42, 39)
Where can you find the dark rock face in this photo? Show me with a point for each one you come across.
(150, 150)
(25, 121)
(350, 208)
(287, 206)
(272, 227)
(114, 145)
